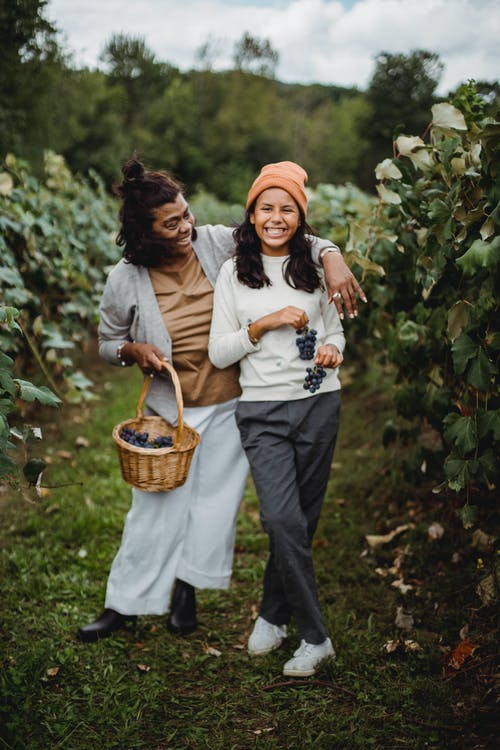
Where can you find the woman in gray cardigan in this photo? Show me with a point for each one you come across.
(157, 304)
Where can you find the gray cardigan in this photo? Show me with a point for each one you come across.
(129, 311)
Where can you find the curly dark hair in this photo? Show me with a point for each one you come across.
(300, 271)
(141, 191)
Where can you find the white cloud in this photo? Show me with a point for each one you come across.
(322, 41)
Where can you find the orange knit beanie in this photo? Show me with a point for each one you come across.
(284, 174)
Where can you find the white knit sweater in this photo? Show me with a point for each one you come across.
(272, 370)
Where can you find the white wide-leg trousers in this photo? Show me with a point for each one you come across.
(189, 532)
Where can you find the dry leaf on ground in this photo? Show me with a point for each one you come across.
(435, 531)
(403, 621)
(375, 540)
(456, 658)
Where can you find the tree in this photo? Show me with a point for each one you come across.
(30, 61)
(207, 53)
(133, 67)
(254, 55)
(401, 93)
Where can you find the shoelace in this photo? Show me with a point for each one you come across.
(305, 649)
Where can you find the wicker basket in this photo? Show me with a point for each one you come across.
(157, 469)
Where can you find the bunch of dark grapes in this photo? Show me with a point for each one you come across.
(314, 378)
(306, 342)
(141, 439)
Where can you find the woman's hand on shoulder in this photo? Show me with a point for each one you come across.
(147, 356)
(342, 285)
(328, 356)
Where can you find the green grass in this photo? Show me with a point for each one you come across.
(144, 688)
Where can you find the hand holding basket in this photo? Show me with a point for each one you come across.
(157, 469)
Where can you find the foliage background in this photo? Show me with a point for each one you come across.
(213, 130)
(412, 200)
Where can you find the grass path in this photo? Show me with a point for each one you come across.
(144, 688)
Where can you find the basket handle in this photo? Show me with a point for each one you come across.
(178, 398)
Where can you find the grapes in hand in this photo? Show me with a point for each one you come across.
(306, 342)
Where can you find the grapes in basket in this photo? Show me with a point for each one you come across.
(142, 439)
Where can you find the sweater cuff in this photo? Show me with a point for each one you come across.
(247, 344)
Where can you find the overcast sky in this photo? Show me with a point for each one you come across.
(321, 41)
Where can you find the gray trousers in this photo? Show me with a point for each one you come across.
(289, 445)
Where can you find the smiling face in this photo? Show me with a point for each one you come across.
(276, 218)
(173, 223)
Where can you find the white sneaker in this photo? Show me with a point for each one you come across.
(265, 637)
(307, 657)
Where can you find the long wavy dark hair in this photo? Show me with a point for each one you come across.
(141, 191)
(300, 271)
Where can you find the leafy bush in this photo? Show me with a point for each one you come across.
(57, 242)
(435, 232)
(12, 391)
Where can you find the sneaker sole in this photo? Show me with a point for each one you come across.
(307, 672)
(298, 673)
(263, 651)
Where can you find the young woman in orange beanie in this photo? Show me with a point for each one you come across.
(271, 314)
(156, 304)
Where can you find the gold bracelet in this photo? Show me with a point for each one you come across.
(330, 249)
(251, 338)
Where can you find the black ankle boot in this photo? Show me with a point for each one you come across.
(182, 617)
(106, 624)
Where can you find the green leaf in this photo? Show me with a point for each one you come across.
(480, 371)
(79, 380)
(29, 392)
(455, 470)
(7, 383)
(480, 255)
(468, 514)
(33, 469)
(458, 319)
(439, 211)
(11, 276)
(462, 431)
(6, 363)
(489, 420)
(488, 463)
(366, 264)
(9, 315)
(463, 349)
(411, 334)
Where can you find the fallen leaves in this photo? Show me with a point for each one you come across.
(375, 540)
(482, 541)
(401, 586)
(435, 531)
(486, 589)
(396, 645)
(456, 658)
(403, 621)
